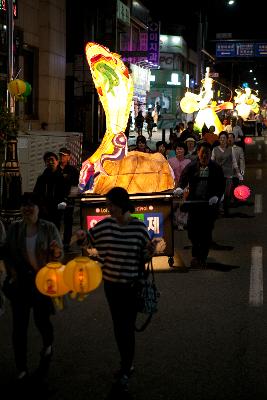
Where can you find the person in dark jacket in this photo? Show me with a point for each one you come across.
(50, 187)
(205, 180)
(71, 178)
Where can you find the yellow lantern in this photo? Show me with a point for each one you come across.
(189, 103)
(82, 275)
(49, 280)
(16, 87)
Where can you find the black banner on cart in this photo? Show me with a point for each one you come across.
(154, 210)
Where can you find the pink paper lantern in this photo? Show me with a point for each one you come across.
(248, 140)
(242, 192)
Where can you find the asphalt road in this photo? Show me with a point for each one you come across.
(207, 342)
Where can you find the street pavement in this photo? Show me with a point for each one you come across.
(208, 340)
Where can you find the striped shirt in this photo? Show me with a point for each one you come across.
(120, 247)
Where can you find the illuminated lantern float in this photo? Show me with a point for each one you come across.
(246, 102)
(204, 104)
(82, 275)
(49, 281)
(111, 165)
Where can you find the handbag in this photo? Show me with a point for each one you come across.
(147, 294)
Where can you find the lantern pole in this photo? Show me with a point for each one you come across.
(11, 186)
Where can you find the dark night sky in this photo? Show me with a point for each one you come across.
(243, 20)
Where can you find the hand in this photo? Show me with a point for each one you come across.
(240, 177)
(62, 206)
(55, 249)
(178, 191)
(81, 237)
(213, 200)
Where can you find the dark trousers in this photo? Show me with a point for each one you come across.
(68, 223)
(122, 303)
(21, 305)
(200, 225)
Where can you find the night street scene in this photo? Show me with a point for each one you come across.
(133, 153)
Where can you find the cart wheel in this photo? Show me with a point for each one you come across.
(171, 261)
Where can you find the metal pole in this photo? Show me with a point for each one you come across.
(10, 30)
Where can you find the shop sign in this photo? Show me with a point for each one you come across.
(153, 43)
(4, 5)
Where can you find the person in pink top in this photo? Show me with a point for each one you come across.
(178, 163)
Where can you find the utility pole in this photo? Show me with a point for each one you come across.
(10, 175)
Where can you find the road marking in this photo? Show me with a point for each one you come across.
(259, 157)
(259, 146)
(259, 173)
(258, 204)
(256, 277)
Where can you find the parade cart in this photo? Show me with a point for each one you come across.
(155, 210)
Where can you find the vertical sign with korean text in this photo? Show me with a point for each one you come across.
(153, 43)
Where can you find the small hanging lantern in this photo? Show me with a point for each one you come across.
(242, 192)
(49, 281)
(248, 140)
(82, 275)
(19, 89)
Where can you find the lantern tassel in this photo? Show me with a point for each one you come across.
(58, 302)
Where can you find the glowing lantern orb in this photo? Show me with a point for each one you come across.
(82, 275)
(242, 192)
(248, 140)
(189, 103)
(49, 280)
(19, 89)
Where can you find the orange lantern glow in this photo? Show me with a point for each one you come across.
(82, 275)
(49, 281)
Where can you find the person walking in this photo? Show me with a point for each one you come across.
(71, 179)
(123, 245)
(50, 187)
(178, 163)
(30, 244)
(205, 181)
(139, 122)
(225, 157)
(150, 124)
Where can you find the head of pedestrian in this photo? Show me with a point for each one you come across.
(180, 149)
(204, 153)
(223, 139)
(141, 143)
(231, 139)
(190, 143)
(30, 205)
(118, 202)
(64, 156)
(51, 160)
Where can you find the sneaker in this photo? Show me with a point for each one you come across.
(122, 384)
(195, 263)
(46, 356)
(120, 373)
(22, 376)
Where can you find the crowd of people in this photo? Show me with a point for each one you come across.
(202, 183)
(205, 167)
